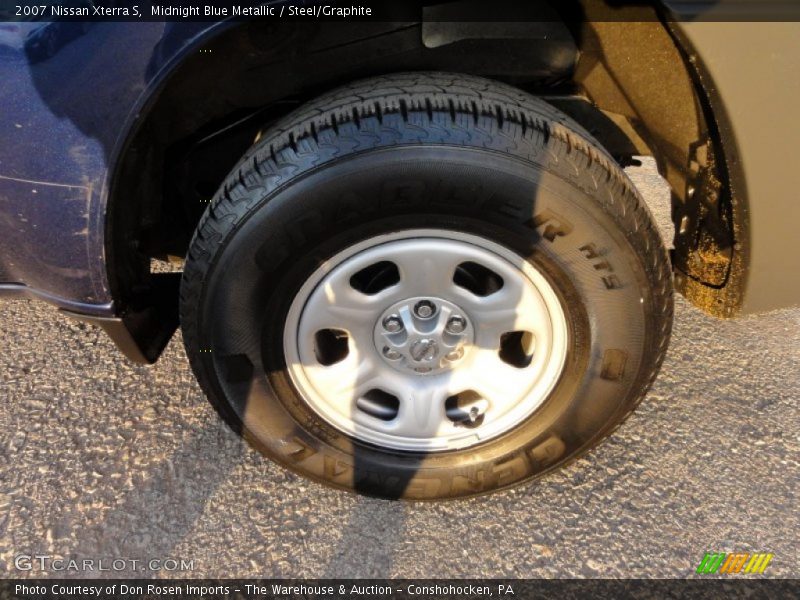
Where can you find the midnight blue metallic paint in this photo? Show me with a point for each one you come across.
(64, 120)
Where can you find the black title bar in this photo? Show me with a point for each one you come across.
(398, 589)
(399, 10)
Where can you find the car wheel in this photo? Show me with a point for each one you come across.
(426, 286)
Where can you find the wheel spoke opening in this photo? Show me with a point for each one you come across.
(379, 404)
(375, 278)
(331, 346)
(477, 279)
(516, 348)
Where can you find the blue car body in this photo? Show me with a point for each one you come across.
(62, 126)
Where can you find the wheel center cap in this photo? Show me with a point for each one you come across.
(423, 335)
(424, 350)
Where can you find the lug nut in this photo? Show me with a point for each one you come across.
(393, 324)
(424, 309)
(456, 324)
(391, 353)
(455, 354)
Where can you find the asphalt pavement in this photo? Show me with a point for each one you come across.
(102, 459)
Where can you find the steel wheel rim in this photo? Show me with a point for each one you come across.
(460, 401)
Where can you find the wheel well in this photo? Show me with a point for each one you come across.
(628, 83)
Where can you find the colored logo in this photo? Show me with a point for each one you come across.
(734, 562)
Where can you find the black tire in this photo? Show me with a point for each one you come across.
(443, 151)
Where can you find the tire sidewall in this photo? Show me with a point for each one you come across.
(556, 222)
